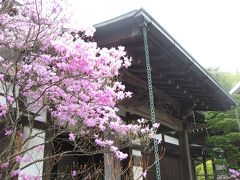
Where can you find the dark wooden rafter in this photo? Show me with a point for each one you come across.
(169, 73)
(178, 87)
(174, 78)
(140, 108)
(185, 91)
(173, 89)
(139, 83)
(176, 92)
(137, 67)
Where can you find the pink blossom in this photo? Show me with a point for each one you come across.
(127, 62)
(15, 173)
(141, 120)
(109, 142)
(40, 148)
(144, 174)
(5, 165)
(156, 125)
(72, 137)
(21, 135)
(76, 78)
(72, 121)
(1, 77)
(3, 109)
(100, 142)
(102, 127)
(74, 173)
(120, 155)
(90, 122)
(10, 99)
(234, 173)
(114, 149)
(28, 159)
(89, 31)
(128, 94)
(8, 132)
(27, 68)
(18, 158)
(29, 177)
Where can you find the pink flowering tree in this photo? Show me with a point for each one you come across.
(46, 67)
(234, 174)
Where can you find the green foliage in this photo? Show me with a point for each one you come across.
(225, 79)
(200, 171)
(223, 126)
(224, 135)
(233, 137)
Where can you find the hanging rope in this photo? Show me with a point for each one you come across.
(151, 101)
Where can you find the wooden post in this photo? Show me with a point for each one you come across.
(194, 170)
(214, 169)
(111, 167)
(205, 166)
(186, 157)
(48, 151)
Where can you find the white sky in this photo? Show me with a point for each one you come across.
(208, 29)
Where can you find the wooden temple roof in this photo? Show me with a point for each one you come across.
(235, 89)
(174, 71)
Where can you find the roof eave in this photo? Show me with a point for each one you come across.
(150, 20)
(235, 89)
(144, 17)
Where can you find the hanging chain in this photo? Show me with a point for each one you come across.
(151, 101)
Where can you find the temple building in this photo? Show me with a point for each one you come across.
(182, 91)
(169, 87)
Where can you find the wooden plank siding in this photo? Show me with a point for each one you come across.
(171, 167)
(171, 164)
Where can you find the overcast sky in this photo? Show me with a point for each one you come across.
(208, 29)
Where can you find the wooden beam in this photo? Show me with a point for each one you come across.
(142, 109)
(137, 67)
(130, 79)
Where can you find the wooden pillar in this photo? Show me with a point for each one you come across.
(214, 169)
(112, 166)
(194, 170)
(48, 150)
(186, 157)
(112, 169)
(205, 166)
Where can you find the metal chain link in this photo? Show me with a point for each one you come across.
(151, 101)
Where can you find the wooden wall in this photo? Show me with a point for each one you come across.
(173, 164)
